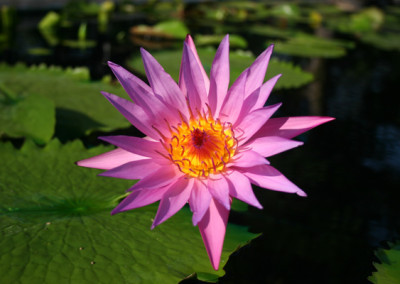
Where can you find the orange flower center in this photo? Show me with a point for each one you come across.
(201, 147)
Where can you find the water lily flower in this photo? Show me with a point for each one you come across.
(205, 143)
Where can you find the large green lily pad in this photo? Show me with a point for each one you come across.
(388, 271)
(292, 77)
(56, 227)
(71, 91)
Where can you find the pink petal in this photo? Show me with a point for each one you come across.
(260, 96)
(134, 114)
(173, 200)
(254, 121)
(212, 229)
(257, 71)
(248, 159)
(199, 201)
(240, 188)
(219, 77)
(219, 189)
(272, 145)
(196, 90)
(232, 105)
(190, 43)
(290, 127)
(268, 177)
(136, 145)
(133, 170)
(109, 160)
(139, 198)
(162, 83)
(160, 177)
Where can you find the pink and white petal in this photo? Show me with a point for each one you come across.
(196, 89)
(219, 189)
(219, 77)
(139, 198)
(268, 177)
(160, 177)
(199, 201)
(173, 200)
(240, 188)
(257, 71)
(212, 229)
(110, 160)
(272, 145)
(192, 47)
(290, 127)
(232, 105)
(135, 114)
(248, 159)
(136, 145)
(163, 84)
(254, 121)
(133, 170)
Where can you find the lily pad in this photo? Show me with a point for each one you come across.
(388, 271)
(68, 89)
(55, 225)
(293, 76)
(32, 116)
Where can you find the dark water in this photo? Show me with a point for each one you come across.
(349, 168)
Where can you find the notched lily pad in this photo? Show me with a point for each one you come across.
(68, 89)
(55, 225)
(388, 271)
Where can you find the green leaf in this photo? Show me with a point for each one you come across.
(71, 91)
(32, 116)
(386, 41)
(293, 76)
(388, 271)
(55, 225)
(307, 45)
(235, 41)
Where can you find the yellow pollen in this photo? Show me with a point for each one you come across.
(201, 147)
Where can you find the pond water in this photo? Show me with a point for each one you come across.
(350, 167)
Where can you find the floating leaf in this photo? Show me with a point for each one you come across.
(69, 90)
(55, 225)
(292, 77)
(235, 41)
(306, 45)
(386, 41)
(32, 116)
(388, 271)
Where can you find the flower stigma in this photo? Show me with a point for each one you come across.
(202, 146)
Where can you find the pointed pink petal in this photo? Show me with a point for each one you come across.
(219, 189)
(199, 201)
(160, 177)
(173, 200)
(136, 145)
(240, 188)
(258, 98)
(219, 77)
(232, 105)
(133, 170)
(134, 114)
(257, 71)
(268, 177)
(192, 47)
(143, 95)
(162, 83)
(196, 90)
(290, 127)
(139, 198)
(272, 145)
(254, 121)
(248, 159)
(109, 160)
(212, 229)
